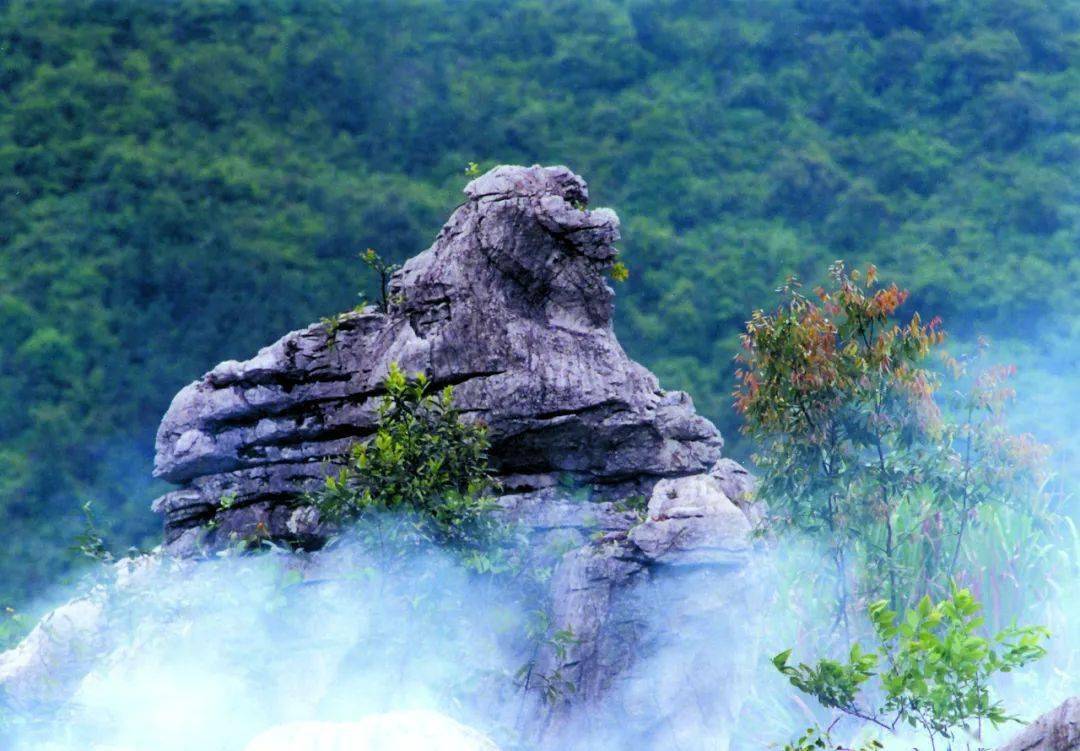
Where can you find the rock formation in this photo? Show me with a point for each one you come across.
(1057, 730)
(511, 306)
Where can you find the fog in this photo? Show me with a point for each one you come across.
(208, 655)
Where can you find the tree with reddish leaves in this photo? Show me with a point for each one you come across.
(858, 446)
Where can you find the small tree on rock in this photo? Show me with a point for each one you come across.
(425, 465)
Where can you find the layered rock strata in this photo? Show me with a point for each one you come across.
(511, 306)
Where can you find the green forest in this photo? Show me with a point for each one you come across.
(183, 182)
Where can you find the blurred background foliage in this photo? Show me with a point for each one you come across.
(182, 182)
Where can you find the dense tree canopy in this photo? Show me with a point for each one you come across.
(181, 182)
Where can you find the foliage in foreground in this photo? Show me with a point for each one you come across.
(819, 739)
(932, 668)
(903, 482)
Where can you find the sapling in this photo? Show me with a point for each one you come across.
(425, 467)
(930, 669)
(383, 270)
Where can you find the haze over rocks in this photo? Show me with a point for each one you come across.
(618, 484)
(512, 306)
(621, 483)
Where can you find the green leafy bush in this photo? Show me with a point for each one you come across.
(932, 667)
(424, 464)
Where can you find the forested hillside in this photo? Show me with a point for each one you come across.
(182, 182)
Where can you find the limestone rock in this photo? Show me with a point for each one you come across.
(510, 305)
(692, 521)
(1057, 730)
(587, 588)
(48, 664)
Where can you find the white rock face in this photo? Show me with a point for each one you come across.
(691, 521)
(48, 665)
(55, 655)
(415, 730)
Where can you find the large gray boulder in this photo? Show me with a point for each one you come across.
(511, 306)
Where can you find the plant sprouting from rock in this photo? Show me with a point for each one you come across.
(619, 272)
(333, 325)
(425, 465)
(383, 271)
(553, 686)
(91, 541)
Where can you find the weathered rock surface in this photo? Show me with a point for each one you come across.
(656, 602)
(45, 668)
(53, 658)
(692, 521)
(1057, 730)
(511, 306)
(415, 730)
